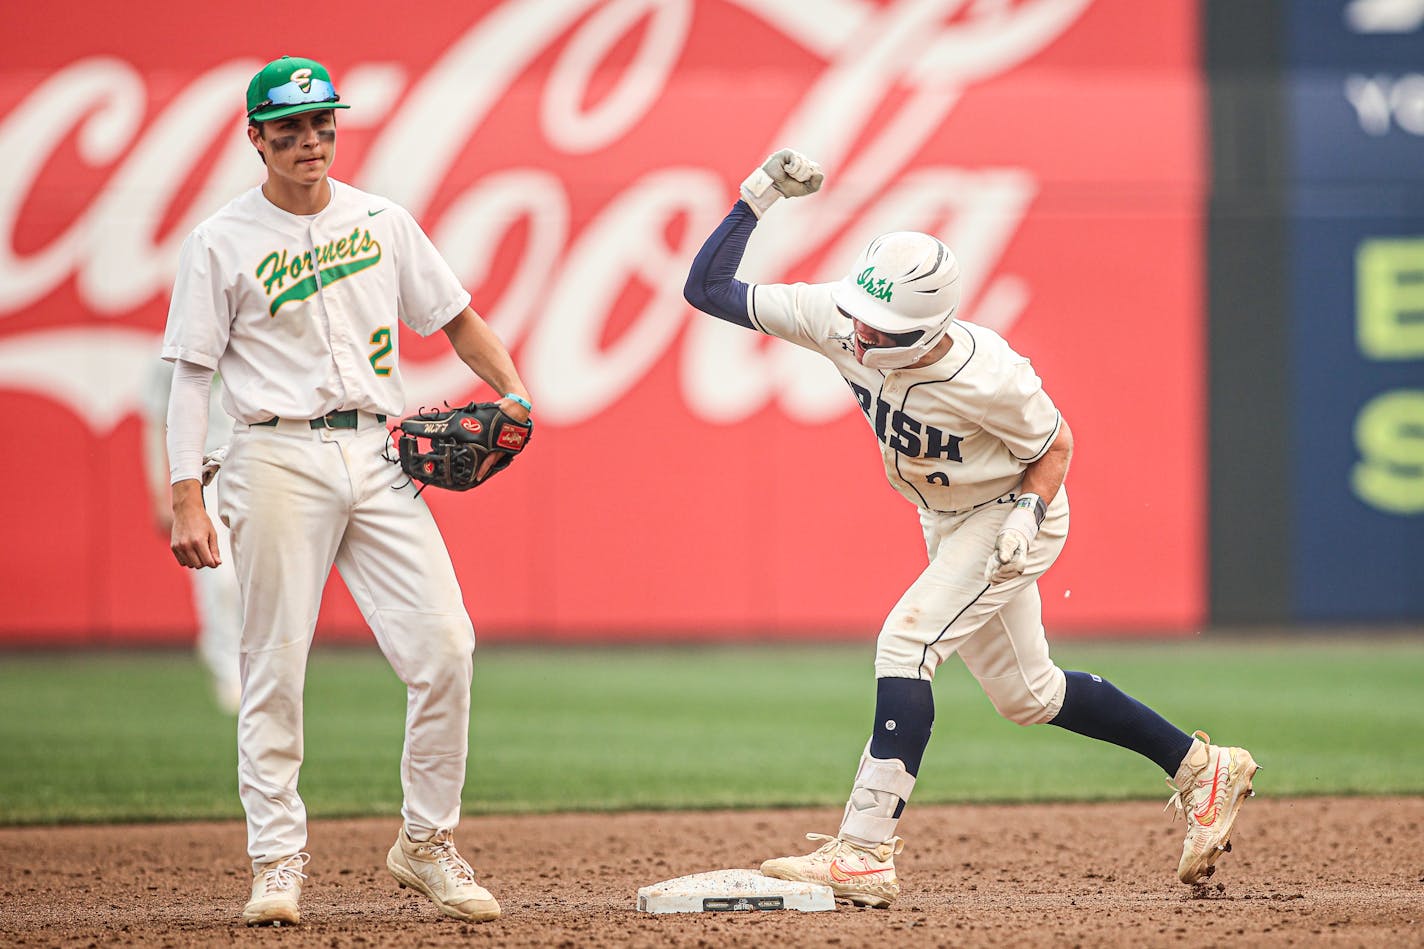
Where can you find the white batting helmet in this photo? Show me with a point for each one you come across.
(905, 283)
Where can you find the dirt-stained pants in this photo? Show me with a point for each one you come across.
(299, 501)
(996, 629)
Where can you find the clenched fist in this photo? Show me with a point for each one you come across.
(785, 173)
(1009, 557)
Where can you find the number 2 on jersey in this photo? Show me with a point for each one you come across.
(381, 339)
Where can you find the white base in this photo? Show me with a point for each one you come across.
(724, 891)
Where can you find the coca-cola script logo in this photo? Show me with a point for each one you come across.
(883, 79)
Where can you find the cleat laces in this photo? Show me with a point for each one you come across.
(1186, 807)
(1183, 806)
(442, 848)
(1183, 798)
(284, 874)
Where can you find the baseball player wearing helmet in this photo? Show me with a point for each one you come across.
(291, 292)
(969, 436)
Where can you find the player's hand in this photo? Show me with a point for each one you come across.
(193, 541)
(1009, 557)
(514, 410)
(785, 174)
(212, 464)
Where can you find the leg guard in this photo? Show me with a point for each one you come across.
(881, 786)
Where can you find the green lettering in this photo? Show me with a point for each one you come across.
(274, 260)
(329, 275)
(381, 339)
(880, 288)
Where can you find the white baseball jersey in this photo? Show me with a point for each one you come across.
(298, 312)
(954, 434)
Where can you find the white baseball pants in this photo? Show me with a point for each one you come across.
(298, 501)
(996, 629)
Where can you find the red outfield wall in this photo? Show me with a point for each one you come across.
(688, 479)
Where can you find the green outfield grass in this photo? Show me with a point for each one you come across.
(134, 736)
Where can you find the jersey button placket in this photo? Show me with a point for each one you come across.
(337, 331)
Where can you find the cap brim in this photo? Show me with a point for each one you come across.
(282, 111)
(851, 299)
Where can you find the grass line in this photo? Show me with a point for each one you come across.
(113, 737)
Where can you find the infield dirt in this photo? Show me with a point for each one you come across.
(1315, 871)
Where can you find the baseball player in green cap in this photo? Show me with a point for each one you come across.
(291, 292)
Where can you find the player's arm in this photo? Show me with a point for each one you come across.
(712, 286)
(481, 349)
(1045, 476)
(193, 540)
(1042, 480)
(155, 453)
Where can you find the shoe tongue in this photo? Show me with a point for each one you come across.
(1193, 764)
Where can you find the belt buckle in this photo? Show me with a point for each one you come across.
(326, 421)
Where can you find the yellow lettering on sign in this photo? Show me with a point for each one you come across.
(1389, 432)
(1389, 298)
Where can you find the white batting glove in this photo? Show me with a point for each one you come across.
(1010, 554)
(213, 461)
(785, 174)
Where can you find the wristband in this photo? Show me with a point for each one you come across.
(1026, 516)
(528, 407)
(1033, 504)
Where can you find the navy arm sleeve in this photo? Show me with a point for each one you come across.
(712, 284)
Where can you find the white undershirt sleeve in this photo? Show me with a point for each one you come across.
(187, 420)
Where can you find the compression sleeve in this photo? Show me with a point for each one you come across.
(712, 284)
(187, 420)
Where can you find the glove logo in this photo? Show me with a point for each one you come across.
(466, 447)
(511, 438)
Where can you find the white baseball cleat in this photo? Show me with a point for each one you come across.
(1211, 785)
(276, 887)
(435, 868)
(863, 876)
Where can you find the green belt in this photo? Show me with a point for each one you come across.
(345, 418)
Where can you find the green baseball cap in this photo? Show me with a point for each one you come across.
(290, 85)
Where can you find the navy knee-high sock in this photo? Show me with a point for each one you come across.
(904, 716)
(1095, 707)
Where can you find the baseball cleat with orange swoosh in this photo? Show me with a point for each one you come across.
(862, 876)
(1211, 785)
